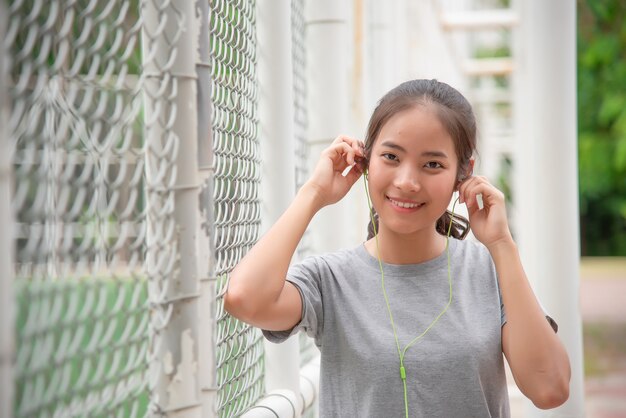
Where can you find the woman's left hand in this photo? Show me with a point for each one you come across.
(489, 225)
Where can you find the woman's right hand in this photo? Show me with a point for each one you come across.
(257, 291)
(327, 180)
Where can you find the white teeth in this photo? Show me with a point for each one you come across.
(404, 204)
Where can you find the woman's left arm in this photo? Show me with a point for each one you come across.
(536, 356)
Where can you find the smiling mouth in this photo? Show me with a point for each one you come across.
(405, 205)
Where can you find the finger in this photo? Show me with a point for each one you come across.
(356, 144)
(463, 189)
(344, 138)
(485, 194)
(342, 151)
(358, 149)
(473, 188)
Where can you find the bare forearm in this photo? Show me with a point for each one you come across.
(259, 278)
(537, 358)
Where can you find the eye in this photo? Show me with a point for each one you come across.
(433, 165)
(389, 156)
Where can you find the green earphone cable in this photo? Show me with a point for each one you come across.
(402, 352)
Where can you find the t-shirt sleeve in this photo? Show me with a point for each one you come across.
(306, 277)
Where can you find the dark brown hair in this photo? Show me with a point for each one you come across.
(456, 115)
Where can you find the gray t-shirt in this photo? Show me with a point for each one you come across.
(455, 370)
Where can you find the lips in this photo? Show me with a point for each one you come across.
(405, 204)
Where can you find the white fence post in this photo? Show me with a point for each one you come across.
(328, 59)
(170, 46)
(277, 143)
(7, 316)
(546, 173)
(381, 59)
(205, 227)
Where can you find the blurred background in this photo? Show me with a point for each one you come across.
(145, 145)
(601, 62)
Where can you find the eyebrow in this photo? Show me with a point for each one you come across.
(393, 145)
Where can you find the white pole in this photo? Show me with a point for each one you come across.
(207, 373)
(276, 404)
(174, 366)
(328, 60)
(381, 56)
(277, 143)
(400, 23)
(7, 318)
(354, 207)
(432, 52)
(546, 183)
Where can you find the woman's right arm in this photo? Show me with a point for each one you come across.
(258, 292)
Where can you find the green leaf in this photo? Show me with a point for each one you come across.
(620, 154)
(594, 167)
(600, 9)
(611, 108)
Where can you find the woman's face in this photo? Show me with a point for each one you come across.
(412, 171)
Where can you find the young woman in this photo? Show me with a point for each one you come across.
(414, 321)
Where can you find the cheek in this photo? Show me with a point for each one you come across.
(448, 188)
(443, 189)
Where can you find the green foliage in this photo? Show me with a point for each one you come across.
(602, 126)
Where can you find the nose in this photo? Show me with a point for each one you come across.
(407, 179)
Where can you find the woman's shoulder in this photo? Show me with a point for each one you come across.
(471, 248)
(333, 258)
(337, 263)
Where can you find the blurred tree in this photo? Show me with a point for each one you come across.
(602, 126)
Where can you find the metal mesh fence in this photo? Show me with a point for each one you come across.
(77, 133)
(93, 89)
(236, 199)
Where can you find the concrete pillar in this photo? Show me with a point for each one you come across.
(546, 179)
(174, 351)
(277, 143)
(328, 61)
(205, 227)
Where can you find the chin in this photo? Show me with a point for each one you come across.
(407, 229)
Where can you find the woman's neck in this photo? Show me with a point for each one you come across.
(407, 249)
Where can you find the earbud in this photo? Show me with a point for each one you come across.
(479, 201)
(467, 174)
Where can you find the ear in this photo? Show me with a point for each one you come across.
(467, 174)
(470, 168)
(364, 163)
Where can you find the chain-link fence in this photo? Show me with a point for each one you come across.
(79, 199)
(236, 194)
(108, 273)
(6, 241)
